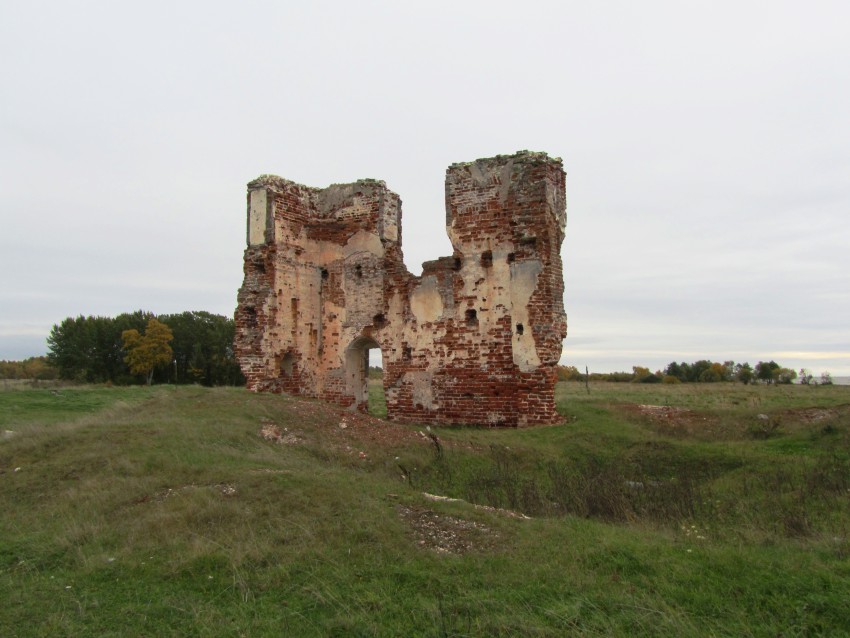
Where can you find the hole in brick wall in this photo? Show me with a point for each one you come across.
(358, 271)
(471, 317)
(379, 321)
(406, 353)
(528, 241)
(468, 395)
(520, 329)
(324, 273)
(487, 259)
(458, 263)
(286, 364)
(261, 267)
(511, 258)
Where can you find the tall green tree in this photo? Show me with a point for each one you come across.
(765, 371)
(90, 348)
(148, 351)
(784, 375)
(203, 348)
(744, 373)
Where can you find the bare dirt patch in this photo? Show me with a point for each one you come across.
(675, 421)
(447, 534)
(277, 434)
(684, 423)
(224, 489)
(814, 416)
(326, 426)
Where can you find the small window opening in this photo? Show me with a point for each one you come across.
(487, 259)
(286, 364)
(511, 258)
(458, 263)
(519, 329)
(406, 353)
(379, 321)
(358, 271)
(471, 317)
(324, 273)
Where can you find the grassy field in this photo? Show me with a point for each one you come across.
(690, 510)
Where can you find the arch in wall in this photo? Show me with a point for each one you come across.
(357, 370)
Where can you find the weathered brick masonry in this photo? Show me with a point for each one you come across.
(474, 340)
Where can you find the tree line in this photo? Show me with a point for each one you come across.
(119, 349)
(37, 368)
(702, 371)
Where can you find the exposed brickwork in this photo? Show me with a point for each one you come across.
(474, 340)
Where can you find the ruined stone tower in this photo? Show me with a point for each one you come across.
(474, 340)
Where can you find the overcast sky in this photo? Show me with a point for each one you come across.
(706, 144)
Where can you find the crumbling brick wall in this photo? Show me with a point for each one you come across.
(475, 339)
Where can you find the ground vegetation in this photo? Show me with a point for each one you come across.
(653, 510)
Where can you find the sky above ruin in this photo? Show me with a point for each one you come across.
(706, 144)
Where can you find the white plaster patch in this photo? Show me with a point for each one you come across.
(421, 391)
(363, 241)
(257, 217)
(523, 283)
(390, 221)
(557, 206)
(479, 176)
(425, 301)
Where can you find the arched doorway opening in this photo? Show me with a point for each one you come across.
(364, 376)
(377, 400)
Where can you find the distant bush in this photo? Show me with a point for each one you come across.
(710, 376)
(37, 368)
(569, 373)
(617, 377)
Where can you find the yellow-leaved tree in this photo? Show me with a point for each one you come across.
(149, 351)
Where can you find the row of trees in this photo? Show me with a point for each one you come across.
(37, 368)
(705, 371)
(117, 349)
(702, 371)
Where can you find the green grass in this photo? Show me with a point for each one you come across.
(136, 511)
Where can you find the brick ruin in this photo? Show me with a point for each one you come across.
(474, 340)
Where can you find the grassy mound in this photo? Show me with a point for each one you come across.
(653, 510)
